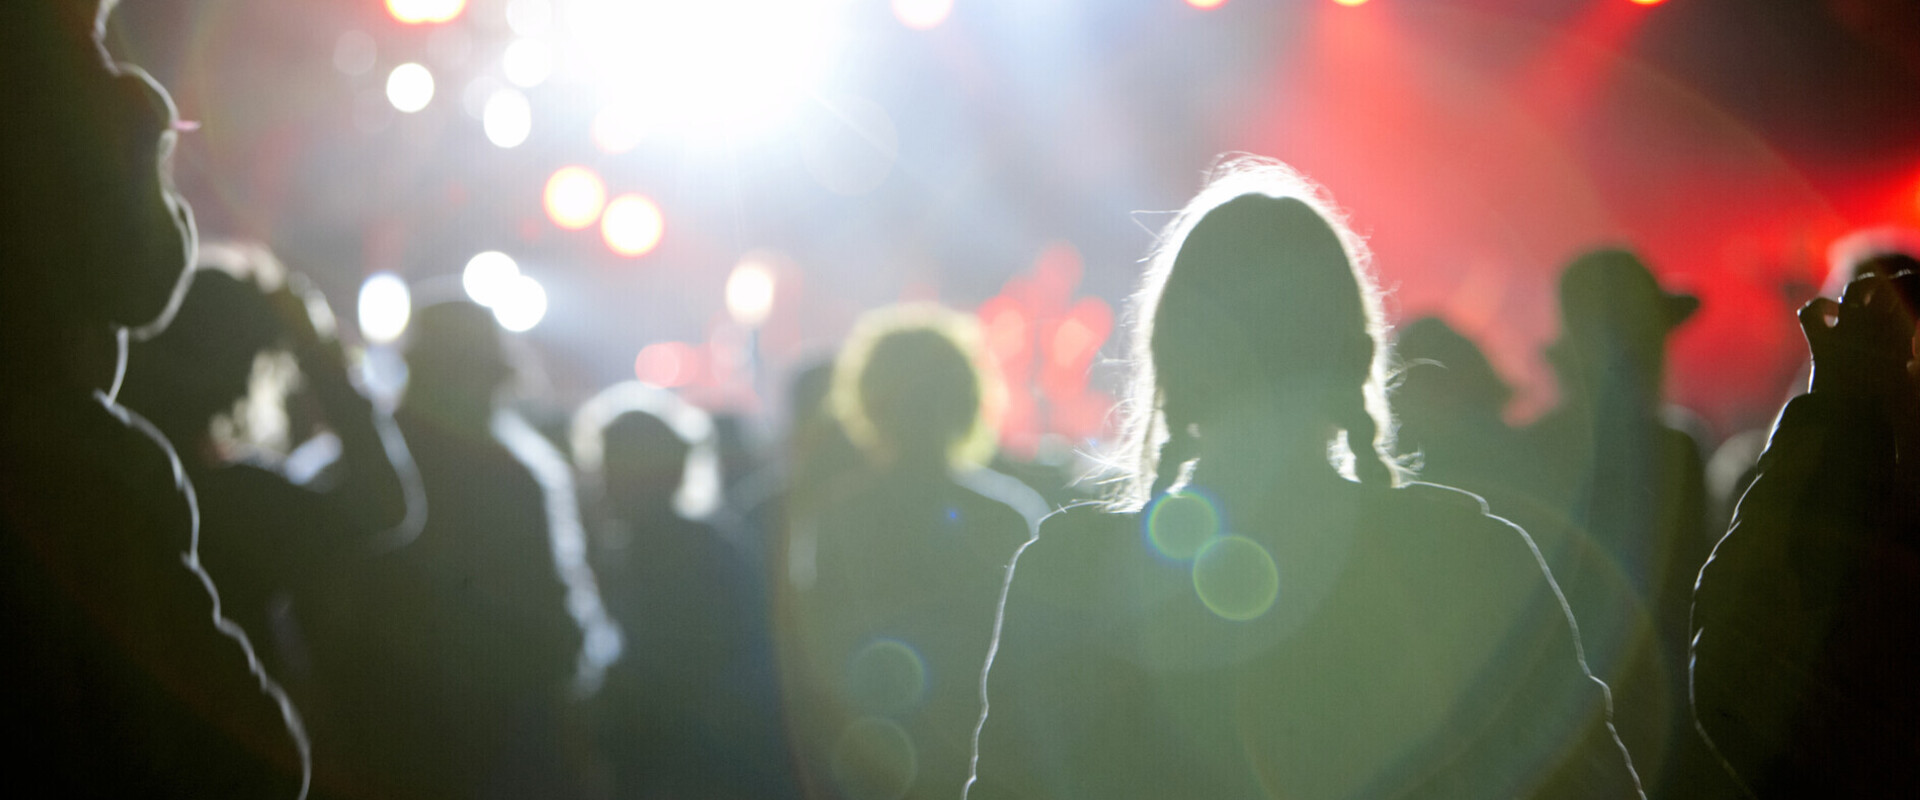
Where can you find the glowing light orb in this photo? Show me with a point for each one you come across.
(874, 759)
(1647, 2)
(409, 87)
(527, 62)
(574, 197)
(728, 67)
(385, 307)
(1207, 4)
(507, 118)
(922, 15)
(1179, 525)
(488, 276)
(1236, 578)
(632, 225)
(422, 12)
(886, 678)
(1350, 2)
(521, 304)
(750, 292)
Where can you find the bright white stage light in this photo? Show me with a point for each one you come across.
(521, 305)
(922, 15)
(385, 307)
(728, 67)
(632, 225)
(750, 292)
(410, 87)
(527, 62)
(507, 118)
(489, 276)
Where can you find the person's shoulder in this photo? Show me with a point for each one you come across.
(1456, 524)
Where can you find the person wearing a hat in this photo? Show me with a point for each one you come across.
(1804, 645)
(1623, 483)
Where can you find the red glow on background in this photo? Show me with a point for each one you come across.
(1043, 342)
(669, 364)
(419, 12)
(574, 197)
(1648, 2)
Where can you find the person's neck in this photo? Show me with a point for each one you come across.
(1255, 456)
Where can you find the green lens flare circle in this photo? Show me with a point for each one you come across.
(1236, 578)
(874, 759)
(1179, 525)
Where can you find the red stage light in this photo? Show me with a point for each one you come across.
(1647, 2)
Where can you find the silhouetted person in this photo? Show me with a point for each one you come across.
(477, 623)
(1804, 617)
(1634, 488)
(1259, 625)
(896, 576)
(691, 709)
(1449, 403)
(120, 680)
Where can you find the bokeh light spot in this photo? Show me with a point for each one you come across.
(922, 15)
(632, 225)
(1206, 4)
(1178, 525)
(1648, 2)
(409, 87)
(527, 62)
(1236, 578)
(750, 292)
(667, 364)
(886, 678)
(488, 276)
(529, 17)
(574, 197)
(507, 118)
(874, 759)
(385, 307)
(521, 305)
(420, 12)
(1350, 2)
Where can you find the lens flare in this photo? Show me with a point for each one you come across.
(574, 197)
(632, 225)
(874, 759)
(1179, 525)
(1236, 578)
(409, 87)
(385, 307)
(886, 678)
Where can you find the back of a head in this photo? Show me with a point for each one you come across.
(200, 365)
(94, 231)
(1257, 295)
(1444, 374)
(908, 384)
(1615, 318)
(456, 348)
(641, 455)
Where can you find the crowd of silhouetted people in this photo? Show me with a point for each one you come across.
(1314, 561)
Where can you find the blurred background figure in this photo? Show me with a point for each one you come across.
(488, 627)
(691, 710)
(217, 383)
(117, 682)
(1621, 480)
(1273, 612)
(1803, 619)
(1449, 402)
(895, 577)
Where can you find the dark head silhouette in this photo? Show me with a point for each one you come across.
(1257, 304)
(908, 387)
(1614, 323)
(456, 364)
(201, 365)
(1445, 373)
(646, 453)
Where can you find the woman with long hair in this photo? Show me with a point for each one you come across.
(1271, 607)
